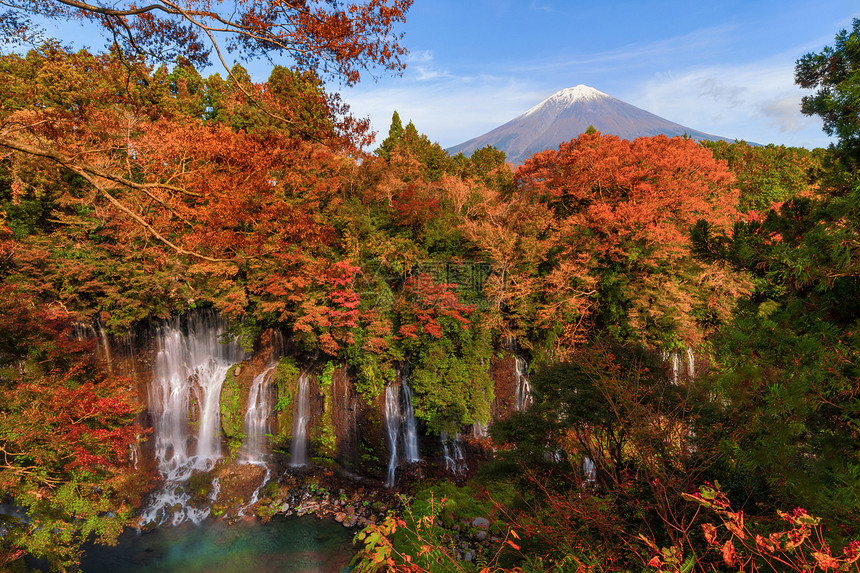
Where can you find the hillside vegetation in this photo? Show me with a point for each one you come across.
(130, 191)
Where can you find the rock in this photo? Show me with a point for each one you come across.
(480, 535)
(469, 556)
(339, 517)
(350, 509)
(481, 523)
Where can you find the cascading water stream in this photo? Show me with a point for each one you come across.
(677, 366)
(400, 422)
(392, 428)
(691, 363)
(255, 445)
(189, 370)
(589, 470)
(452, 453)
(300, 424)
(410, 436)
(522, 395)
(479, 430)
(255, 497)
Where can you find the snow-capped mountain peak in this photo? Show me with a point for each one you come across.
(568, 113)
(568, 97)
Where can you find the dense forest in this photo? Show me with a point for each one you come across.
(133, 189)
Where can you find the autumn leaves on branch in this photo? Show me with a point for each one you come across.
(91, 134)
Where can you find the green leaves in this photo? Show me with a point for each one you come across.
(833, 72)
(787, 374)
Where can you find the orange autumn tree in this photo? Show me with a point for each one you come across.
(88, 128)
(65, 432)
(124, 202)
(617, 235)
(340, 38)
(155, 186)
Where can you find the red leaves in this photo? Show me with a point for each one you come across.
(729, 555)
(710, 532)
(645, 192)
(60, 414)
(416, 205)
(340, 39)
(425, 302)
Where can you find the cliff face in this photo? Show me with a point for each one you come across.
(177, 365)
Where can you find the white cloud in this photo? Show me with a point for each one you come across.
(542, 7)
(450, 110)
(745, 102)
(784, 115)
(419, 56)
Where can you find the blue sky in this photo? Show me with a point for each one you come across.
(720, 66)
(724, 67)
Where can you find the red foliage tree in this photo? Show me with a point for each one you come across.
(602, 208)
(622, 199)
(339, 38)
(65, 433)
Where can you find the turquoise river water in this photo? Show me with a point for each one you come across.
(294, 544)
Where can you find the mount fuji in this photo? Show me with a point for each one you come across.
(568, 113)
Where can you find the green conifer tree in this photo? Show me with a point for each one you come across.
(395, 134)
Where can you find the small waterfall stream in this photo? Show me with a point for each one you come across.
(691, 363)
(589, 470)
(678, 369)
(410, 436)
(400, 424)
(392, 428)
(189, 369)
(255, 446)
(300, 423)
(452, 453)
(522, 396)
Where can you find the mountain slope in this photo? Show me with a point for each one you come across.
(568, 113)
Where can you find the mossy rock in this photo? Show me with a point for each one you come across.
(324, 434)
(286, 380)
(234, 404)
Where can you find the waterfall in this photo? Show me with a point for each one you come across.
(523, 390)
(677, 366)
(189, 369)
(116, 352)
(479, 430)
(392, 428)
(255, 497)
(410, 436)
(400, 423)
(452, 453)
(300, 423)
(691, 363)
(589, 471)
(254, 447)
(216, 489)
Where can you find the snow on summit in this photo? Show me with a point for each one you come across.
(568, 113)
